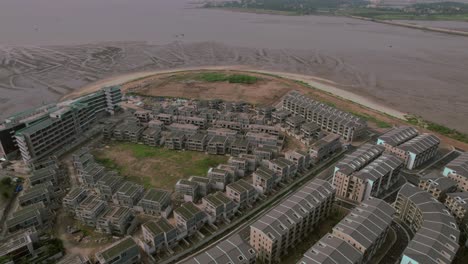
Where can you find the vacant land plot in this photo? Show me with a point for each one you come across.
(155, 167)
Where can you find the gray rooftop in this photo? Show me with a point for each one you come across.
(359, 158)
(460, 165)
(331, 250)
(399, 135)
(420, 143)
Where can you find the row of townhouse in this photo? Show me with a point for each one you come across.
(437, 185)
(35, 215)
(356, 238)
(457, 170)
(324, 148)
(45, 131)
(233, 250)
(328, 118)
(457, 203)
(124, 251)
(19, 245)
(436, 233)
(52, 173)
(406, 143)
(41, 193)
(287, 223)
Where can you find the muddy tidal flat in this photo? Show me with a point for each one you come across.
(49, 48)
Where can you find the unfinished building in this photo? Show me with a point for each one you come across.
(156, 202)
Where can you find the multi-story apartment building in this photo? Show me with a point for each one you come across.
(156, 202)
(220, 178)
(233, 250)
(91, 174)
(284, 169)
(143, 115)
(158, 235)
(437, 185)
(419, 150)
(108, 185)
(242, 164)
(293, 123)
(218, 145)
(204, 184)
(366, 227)
(34, 215)
(436, 233)
(395, 137)
(197, 142)
(239, 146)
(329, 118)
(325, 148)
(128, 131)
(187, 129)
(165, 118)
(151, 136)
(52, 173)
(242, 192)
(128, 194)
(279, 116)
(124, 251)
(285, 224)
(256, 128)
(263, 139)
(188, 190)
(175, 141)
(49, 129)
(331, 249)
(457, 170)
(218, 207)
(192, 120)
(90, 209)
(356, 161)
(372, 180)
(115, 221)
(73, 199)
(457, 203)
(19, 245)
(265, 152)
(310, 132)
(189, 218)
(41, 193)
(264, 180)
(301, 158)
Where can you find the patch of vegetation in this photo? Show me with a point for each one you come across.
(449, 132)
(154, 166)
(379, 123)
(427, 11)
(222, 77)
(6, 188)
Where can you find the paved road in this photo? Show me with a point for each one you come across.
(403, 237)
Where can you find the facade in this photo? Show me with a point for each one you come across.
(129, 194)
(197, 142)
(284, 169)
(356, 161)
(73, 199)
(204, 184)
(239, 146)
(55, 127)
(396, 137)
(220, 178)
(437, 185)
(328, 118)
(310, 132)
(457, 203)
(285, 224)
(124, 251)
(175, 141)
(264, 180)
(457, 170)
(42, 193)
(233, 250)
(372, 180)
(34, 215)
(90, 209)
(115, 221)
(156, 202)
(218, 207)
(263, 139)
(436, 233)
(419, 150)
(301, 158)
(151, 136)
(242, 192)
(366, 227)
(188, 190)
(52, 173)
(325, 148)
(158, 235)
(189, 219)
(19, 245)
(218, 145)
(108, 185)
(91, 174)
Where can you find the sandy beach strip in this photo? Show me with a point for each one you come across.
(316, 82)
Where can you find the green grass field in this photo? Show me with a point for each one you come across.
(155, 167)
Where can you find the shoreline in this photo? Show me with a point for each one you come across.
(316, 82)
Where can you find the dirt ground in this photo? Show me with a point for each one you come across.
(267, 91)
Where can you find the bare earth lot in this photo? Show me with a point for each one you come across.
(155, 167)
